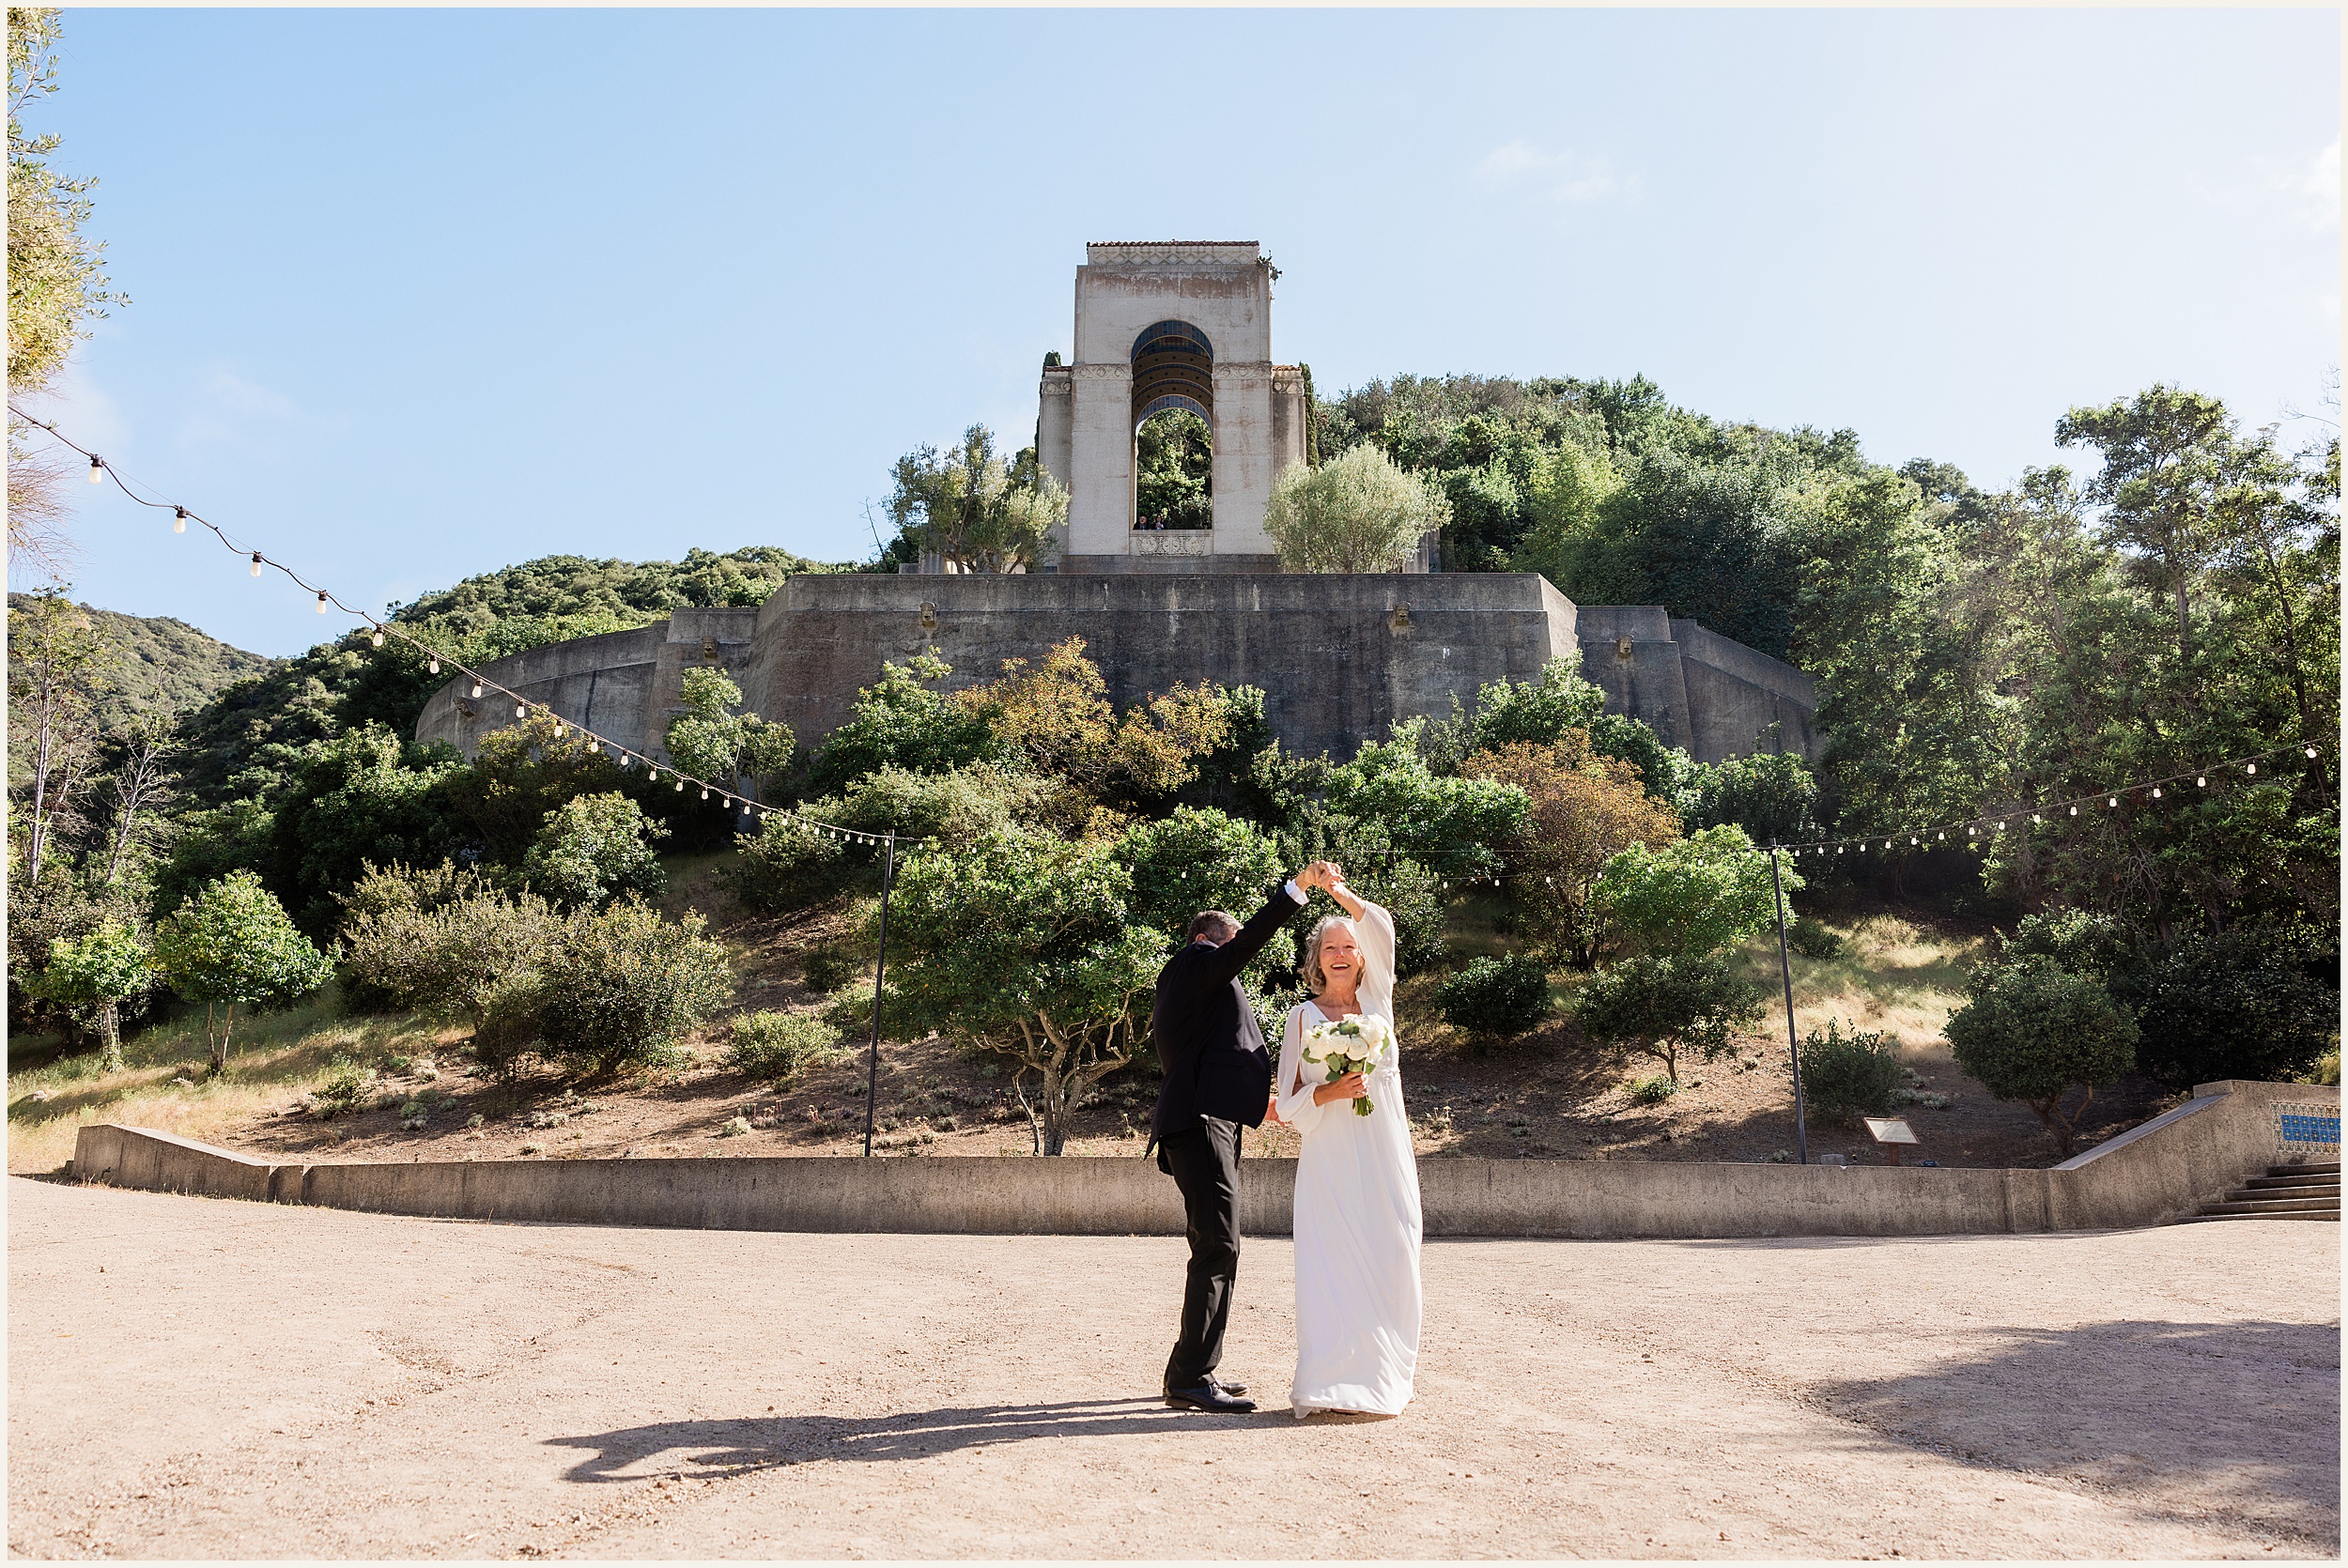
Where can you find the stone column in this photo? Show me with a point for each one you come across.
(1101, 457)
(1243, 458)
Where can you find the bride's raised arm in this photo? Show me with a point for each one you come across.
(1376, 925)
(1295, 1088)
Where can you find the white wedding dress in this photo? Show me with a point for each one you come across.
(1357, 1214)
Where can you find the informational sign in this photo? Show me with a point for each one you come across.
(1892, 1129)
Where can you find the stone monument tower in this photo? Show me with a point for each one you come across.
(1174, 325)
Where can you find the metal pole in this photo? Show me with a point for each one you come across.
(880, 972)
(1793, 1042)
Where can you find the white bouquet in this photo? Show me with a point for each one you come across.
(1349, 1045)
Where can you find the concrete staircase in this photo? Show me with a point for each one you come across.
(2284, 1192)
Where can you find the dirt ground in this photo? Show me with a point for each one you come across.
(196, 1377)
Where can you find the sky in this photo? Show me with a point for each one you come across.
(418, 294)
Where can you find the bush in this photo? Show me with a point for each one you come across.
(1654, 1090)
(1845, 1077)
(1658, 1006)
(592, 849)
(1358, 512)
(1692, 898)
(341, 1090)
(2095, 946)
(773, 1047)
(1496, 1000)
(828, 969)
(621, 986)
(952, 808)
(231, 942)
(1771, 795)
(787, 867)
(2242, 1004)
(475, 954)
(1811, 939)
(901, 722)
(2032, 1031)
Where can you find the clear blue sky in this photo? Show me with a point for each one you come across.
(420, 294)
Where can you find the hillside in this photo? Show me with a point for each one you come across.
(168, 666)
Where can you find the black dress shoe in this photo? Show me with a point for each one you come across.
(1207, 1397)
(1234, 1389)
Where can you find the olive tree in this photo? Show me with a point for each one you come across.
(1021, 945)
(230, 945)
(717, 744)
(2034, 1031)
(1663, 1005)
(1355, 513)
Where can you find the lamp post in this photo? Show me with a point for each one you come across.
(880, 974)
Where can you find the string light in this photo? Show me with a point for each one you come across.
(321, 601)
(476, 689)
(2114, 803)
(2156, 792)
(2250, 767)
(97, 469)
(376, 639)
(257, 563)
(180, 524)
(434, 666)
(2200, 783)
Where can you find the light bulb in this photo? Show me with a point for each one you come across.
(476, 689)
(257, 563)
(680, 784)
(321, 601)
(180, 524)
(2250, 767)
(1971, 832)
(2200, 783)
(378, 639)
(521, 710)
(97, 469)
(2156, 792)
(2114, 803)
(2075, 810)
(2310, 751)
(1940, 836)
(2036, 817)
(435, 665)
(1912, 838)
(704, 794)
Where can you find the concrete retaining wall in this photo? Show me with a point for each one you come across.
(1336, 662)
(2159, 1172)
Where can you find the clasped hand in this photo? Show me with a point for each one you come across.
(1351, 1086)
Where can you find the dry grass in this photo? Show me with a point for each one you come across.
(163, 1084)
(1892, 975)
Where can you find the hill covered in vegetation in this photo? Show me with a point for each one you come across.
(167, 667)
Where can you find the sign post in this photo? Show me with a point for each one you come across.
(1793, 1042)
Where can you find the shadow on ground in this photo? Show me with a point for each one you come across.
(771, 1442)
(2247, 1411)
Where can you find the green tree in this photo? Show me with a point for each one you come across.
(1462, 824)
(2162, 452)
(2032, 1031)
(94, 975)
(1695, 896)
(1197, 860)
(1661, 1005)
(901, 721)
(56, 280)
(964, 504)
(1582, 811)
(2258, 1003)
(60, 667)
(1174, 471)
(594, 849)
(1022, 946)
(718, 746)
(230, 945)
(1356, 512)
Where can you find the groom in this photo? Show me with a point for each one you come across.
(1218, 1079)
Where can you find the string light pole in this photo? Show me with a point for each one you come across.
(1793, 1042)
(880, 976)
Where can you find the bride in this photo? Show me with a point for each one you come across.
(1357, 1214)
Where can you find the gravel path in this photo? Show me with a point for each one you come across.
(196, 1378)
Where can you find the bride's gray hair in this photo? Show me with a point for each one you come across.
(1315, 980)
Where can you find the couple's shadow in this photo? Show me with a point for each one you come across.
(772, 1443)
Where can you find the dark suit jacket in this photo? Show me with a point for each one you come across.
(1206, 1032)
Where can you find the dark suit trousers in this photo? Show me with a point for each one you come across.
(1204, 1163)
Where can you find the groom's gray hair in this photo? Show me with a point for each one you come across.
(1214, 924)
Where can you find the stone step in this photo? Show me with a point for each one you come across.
(2331, 1169)
(2331, 1218)
(2274, 1205)
(2293, 1183)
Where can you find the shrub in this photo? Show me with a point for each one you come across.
(1654, 1090)
(2241, 1003)
(773, 1047)
(1845, 1077)
(341, 1090)
(787, 867)
(592, 849)
(232, 944)
(952, 808)
(1496, 1000)
(1771, 795)
(2095, 946)
(1660, 1005)
(715, 745)
(900, 721)
(476, 956)
(623, 983)
(2032, 1031)
(828, 969)
(1811, 939)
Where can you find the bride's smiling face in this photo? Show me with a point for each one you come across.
(1340, 959)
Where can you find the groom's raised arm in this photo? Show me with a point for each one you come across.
(1224, 963)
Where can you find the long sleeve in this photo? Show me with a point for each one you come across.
(1376, 925)
(1296, 1083)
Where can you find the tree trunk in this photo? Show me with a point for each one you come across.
(110, 1037)
(219, 1044)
